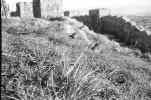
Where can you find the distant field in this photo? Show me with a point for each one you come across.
(142, 20)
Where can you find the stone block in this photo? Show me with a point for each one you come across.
(47, 8)
(24, 9)
(66, 13)
(81, 12)
(99, 12)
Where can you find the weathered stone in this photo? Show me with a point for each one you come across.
(66, 13)
(99, 12)
(81, 12)
(47, 8)
(24, 9)
(85, 12)
(121, 28)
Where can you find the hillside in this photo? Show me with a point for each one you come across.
(65, 60)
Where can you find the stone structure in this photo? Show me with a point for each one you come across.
(99, 12)
(26, 9)
(92, 12)
(66, 13)
(121, 28)
(47, 8)
(72, 13)
(23, 9)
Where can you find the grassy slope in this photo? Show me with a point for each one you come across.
(109, 71)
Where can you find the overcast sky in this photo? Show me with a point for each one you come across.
(117, 6)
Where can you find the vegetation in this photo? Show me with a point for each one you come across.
(48, 65)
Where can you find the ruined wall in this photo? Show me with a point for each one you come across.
(104, 12)
(124, 30)
(51, 8)
(72, 13)
(36, 8)
(99, 12)
(47, 8)
(66, 13)
(24, 9)
(127, 32)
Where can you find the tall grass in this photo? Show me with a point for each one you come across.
(40, 69)
(40, 72)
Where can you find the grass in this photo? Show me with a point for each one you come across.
(47, 69)
(44, 67)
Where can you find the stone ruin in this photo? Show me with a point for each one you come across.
(39, 9)
(92, 12)
(66, 13)
(72, 13)
(124, 30)
(25, 9)
(47, 8)
(53, 9)
(100, 12)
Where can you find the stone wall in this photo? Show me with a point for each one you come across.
(127, 32)
(66, 13)
(72, 13)
(36, 8)
(47, 8)
(124, 30)
(24, 9)
(99, 12)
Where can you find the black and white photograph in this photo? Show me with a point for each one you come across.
(75, 49)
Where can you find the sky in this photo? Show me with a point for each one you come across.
(135, 7)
